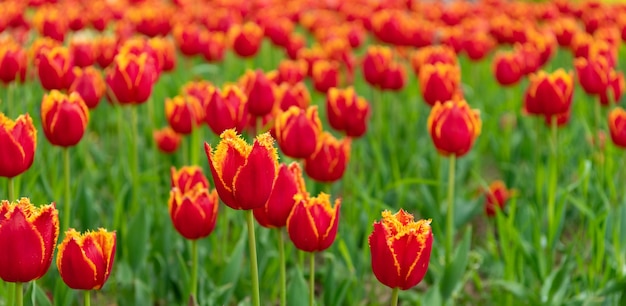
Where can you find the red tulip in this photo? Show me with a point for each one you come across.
(186, 178)
(167, 140)
(131, 78)
(193, 212)
(297, 131)
(439, 82)
(325, 75)
(166, 52)
(617, 126)
(432, 55)
(227, 109)
(276, 210)
(496, 196)
(50, 22)
(12, 62)
(507, 68)
(28, 235)
(400, 248)
(329, 162)
(188, 38)
(260, 92)
(82, 51)
(85, 260)
(564, 30)
(213, 46)
(89, 84)
(477, 45)
(243, 174)
(296, 95)
(347, 112)
(18, 141)
(453, 127)
(246, 39)
(183, 113)
(64, 118)
(312, 224)
(106, 49)
(54, 67)
(549, 94)
(375, 63)
(291, 71)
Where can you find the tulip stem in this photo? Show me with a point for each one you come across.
(19, 294)
(11, 190)
(394, 296)
(134, 160)
(450, 215)
(87, 298)
(312, 279)
(552, 184)
(283, 272)
(67, 206)
(195, 145)
(253, 264)
(194, 271)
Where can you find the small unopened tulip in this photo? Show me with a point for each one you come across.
(260, 92)
(507, 68)
(12, 62)
(213, 46)
(313, 222)
(54, 67)
(617, 126)
(183, 113)
(329, 162)
(187, 177)
(188, 38)
(167, 140)
(89, 84)
(296, 95)
(82, 52)
(246, 39)
(325, 75)
(549, 94)
(291, 72)
(347, 112)
(64, 118)
(297, 131)
(227, 109)
(18, 141)
(50, 22)
(439, 82)
(496, 197)
(193, 212)
(131, 78)
(375, 63)
(454, 127)
(106, 49)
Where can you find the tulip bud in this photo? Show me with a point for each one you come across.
(82, 52)
(295, 44)
(183, 113)
(246, 39)
(18, 140)
(54, 67)
(131, 78)
(439, 82)
(347, 112)
(549, 94)
(312, 224)
(227, 109)
(329, 162)
(496, 196)
(297, 131)
(375, 63)
(165, 51)
(400, 249)
(88, 83)
(564, 30)
(325, 75)
(291, 72)
(260, 92)
(617, 126)
(187, 178)
(213, 46)
(432, 55)
(193, 212)
(276, 210)
(507, 68)
(28, 236)
(394, 77)
(167, 140)
(477, 45)
(188, 38)
(85, 260)
(453, 127)
(296, 95)
(50, 22)
(278, 31)
(64, 118)
(106, 49)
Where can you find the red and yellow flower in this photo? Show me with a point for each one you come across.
(227, 109)
(246, 39)
(183, 113)
(325, 75)
(18, 141)
(28, 235)
(54, 67)
(508, 68)
(64, 118)
(617, 126)
(243, 174)
(193, 211)
(12, 62)
(289, 182)
(496, 197)
(131, 78)
(50, 22)
(187, 177)
(167, 140)
(549, 94)
(347, 112)
(89, 84)
(440, 82)
(454, 127)
(85, 260)
(296, 95)
(329, 162)
(260, 92)
(297, 131)
(400, 248)
(312, 224)
(82, 52)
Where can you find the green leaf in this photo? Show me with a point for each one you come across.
(514, 288)
(297, 289)
(454, 271)
(37, 295)
(555, 285)
(231, 274)
(137, 240)
(432, 297)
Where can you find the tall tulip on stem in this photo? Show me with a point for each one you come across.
(453, 127)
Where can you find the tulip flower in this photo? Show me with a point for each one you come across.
(213, 46)
(477, 45)
(276, 210)
(50, 22)
(227, 109)
(394, 77)
(89, 84)
(549, 94)
(400, 250)
(329, 162)
(295, 44)
(131, 78)
(76, 19)
(12, 63)
(243, 173)
(188, 38)
(278, 31)
(260, 92)
(64, 118)
(312, 224)
(296, 95)
(166, 52)
(375, 63)
(54, 67)
(28, 235)
(183, 113)
(106, 49)
(347, 112)
(297, 131)
(82, 51)
(453, 127)
(564, 30)
(496, 196)
(507, 68)
(291, 72)
(194, 211)
(439, 82)
(617, 126)
(167, 140)
(246, 39)
(432, 55)
(596, 77)
(187, 178)
(85, 260)
(325, 75)
(18, 141)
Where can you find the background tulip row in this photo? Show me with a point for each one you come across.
(355, 136)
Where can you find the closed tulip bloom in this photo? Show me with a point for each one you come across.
(329, 162)
(243, 174)
(246, 39)
(167, 140)
(85, 260)
(593, 73)
(432, 55)
(28, 236)
(325, 75)
(296, 43)
(227, 109)
(165, 51)
(183, 113)
(12, 62)
(194, 211)
(214, 46)
(291, 71)
(278, 31)
(454, 127)
(64, 118)
(82, 52)
(312, 224)
(439, 82)
(50, 22)
(89, 84)
(564, 29)
(549, 94)
(507, 68)
(276, 210)
(260, 92)
(187, 177)
(106, 49)
(296, 95)
(297, 131)
(496, 196)
(131, 78)
(394, 77)
(614, 90)
(617, 126)
(18, 141)
(54, 67)
(347, 112)
(188, 38)
(375, 63)
(400, 249)
(477, 45)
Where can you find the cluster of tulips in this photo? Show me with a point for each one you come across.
(118, 50)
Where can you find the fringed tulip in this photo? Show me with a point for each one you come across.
(64, 118)
(227, 109)
(347, 112)
(193, 212)
(454, 127)
(276, 210)
(439, 82)
(617, 126)
(313, 222)
(297, 131)
(183, 113)
(167, 140)
(186, 178)
(131, 78)
(89, 84)
(18, 141)
(329, 162)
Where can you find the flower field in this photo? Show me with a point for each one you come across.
(361, 152)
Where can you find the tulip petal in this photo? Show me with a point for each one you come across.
(47, 224)
(301, 229)
(254, 181)
(416, 258)
(384, 263)
(93, 251)
(189, 219)
(330, 231)
(21, 259)
(76, 269)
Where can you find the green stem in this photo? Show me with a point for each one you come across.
(11, 189)
(186, 152)
(450, 212)
(67, 206)
(312, 279)
(19, 294)
(119, 205)
(253, 264)
(552, 184)
(87, 298)
(134, 160)
(194, 145)
(194, 271)
(283, 272)
(394, 296)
